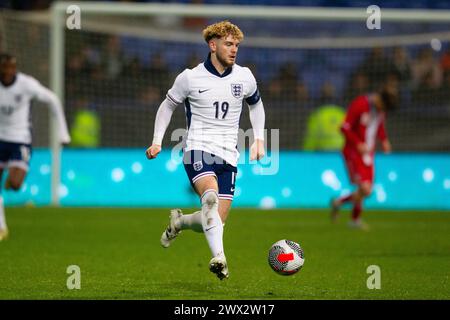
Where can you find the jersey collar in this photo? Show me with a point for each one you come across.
(210, 67)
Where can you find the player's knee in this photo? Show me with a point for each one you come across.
(210, 198)
(16, 186)
(14, 183)
(366, 190)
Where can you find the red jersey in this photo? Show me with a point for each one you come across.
(363, 124)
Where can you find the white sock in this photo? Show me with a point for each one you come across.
(2, 215)
(211, 222)
(191, 221)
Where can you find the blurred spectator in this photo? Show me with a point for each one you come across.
(193, 60)
(131, 80)
(79, 70)
(302, 93)
(286, 87)
(376, 66)
(323, 129)
(112, 58)
(327, 94)
(358, 84)
(403, 70)
(392, 81)
(158, 74)
(85, 129)
(426, 66)
(426, 93)
(445, 61)
(150, 96)
(402, 65)
(444, 96)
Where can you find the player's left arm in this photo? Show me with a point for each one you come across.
(257, 119)
(382, 136)
(46, 96)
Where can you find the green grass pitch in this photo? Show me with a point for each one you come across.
(120, 257)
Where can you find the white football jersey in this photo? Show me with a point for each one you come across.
(213, 105)
(15, 100)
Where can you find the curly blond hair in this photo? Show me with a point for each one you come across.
(222, 29)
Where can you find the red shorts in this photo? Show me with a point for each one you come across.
(358, 171)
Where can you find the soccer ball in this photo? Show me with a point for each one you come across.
(286, 257)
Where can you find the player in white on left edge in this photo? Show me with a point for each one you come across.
(213, 93)
(17, 90)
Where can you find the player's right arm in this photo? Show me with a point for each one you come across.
(162, 121)
(175, 96)
(382, 136)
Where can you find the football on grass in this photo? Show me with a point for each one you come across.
(286, 257)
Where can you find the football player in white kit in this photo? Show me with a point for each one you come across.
(17, 90)
(213, 93)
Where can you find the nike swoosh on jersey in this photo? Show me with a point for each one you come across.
(210, 228)
(201, 91)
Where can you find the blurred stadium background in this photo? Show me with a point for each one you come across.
(117, 69)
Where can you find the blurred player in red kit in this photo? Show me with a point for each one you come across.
(364, 124)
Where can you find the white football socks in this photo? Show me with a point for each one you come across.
(2, 215)
(191, 221)
(211, 222)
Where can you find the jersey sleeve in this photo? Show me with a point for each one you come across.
(42, 94)
(257, 119)
(351, 120)
(180, 89)
(252, 94)
(162, 120)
